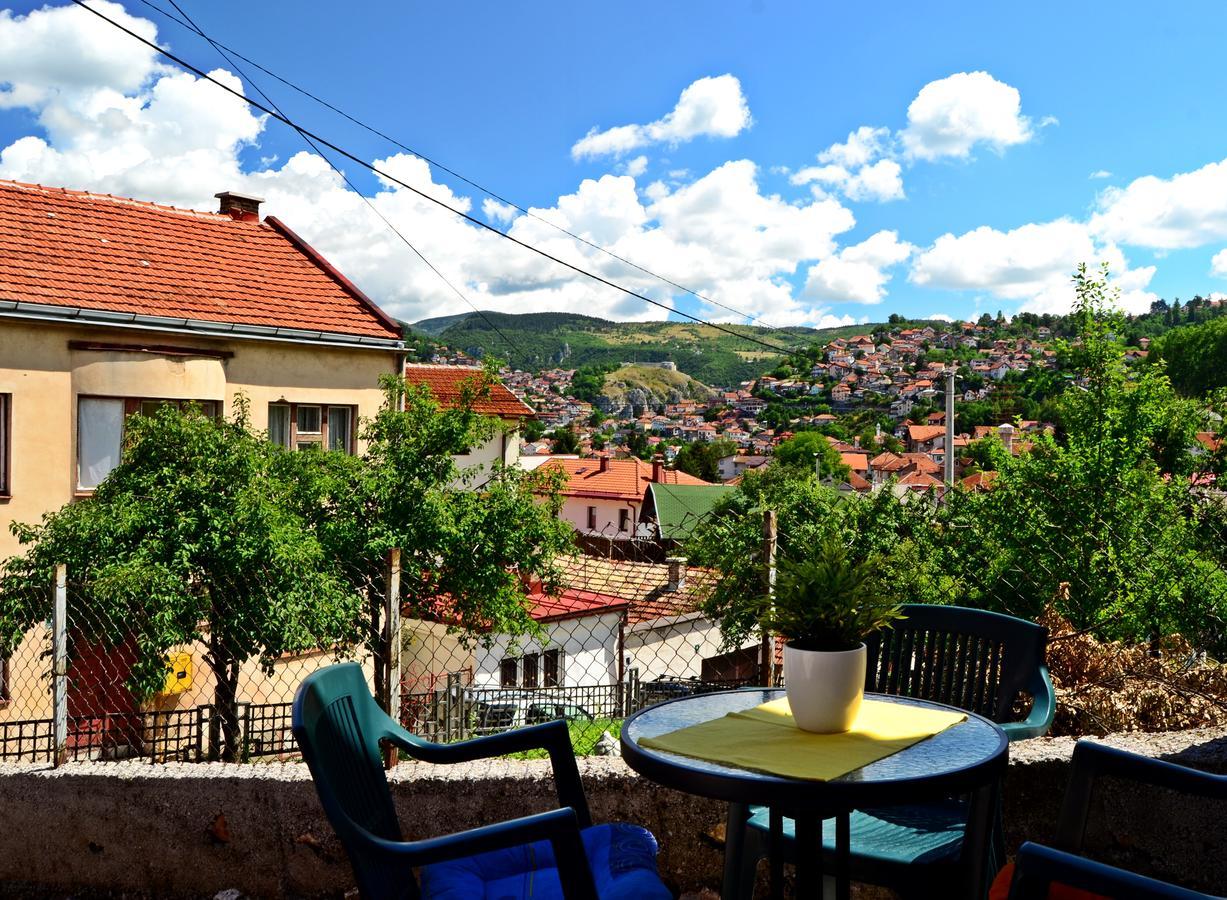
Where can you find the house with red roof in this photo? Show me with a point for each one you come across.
(487, 396)
(604, 496)
(111, 307)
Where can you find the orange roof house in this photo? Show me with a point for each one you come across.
(447, 383)
(110, 306)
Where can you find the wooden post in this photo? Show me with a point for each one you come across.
(392, 643)
(766, 650)
(59, 667)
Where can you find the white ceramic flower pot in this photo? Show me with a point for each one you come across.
(824, 687)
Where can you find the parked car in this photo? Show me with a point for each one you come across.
(499, 710)
(549, 710)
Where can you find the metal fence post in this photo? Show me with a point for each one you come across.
(766, 650)
(392, 643)
(59, 667)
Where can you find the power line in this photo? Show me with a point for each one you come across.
(444, 168)
(367, 200)
(424, 195)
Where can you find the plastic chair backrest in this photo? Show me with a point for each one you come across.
(969, 658)
(338, 726)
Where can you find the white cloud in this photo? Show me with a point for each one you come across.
(711, 107)
(952, 115)
(636, 167)
(857, 273)
(881, 181)
(1100, 173)
(498, 212)
(151, 133)
(1218, 264)
(1032, 264)
(850, 168)
(862, 147)
(1187, 210)
(940, 317)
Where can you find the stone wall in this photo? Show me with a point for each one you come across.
(195, 830)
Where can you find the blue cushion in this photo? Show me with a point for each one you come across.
(921, 833)
(622, 858)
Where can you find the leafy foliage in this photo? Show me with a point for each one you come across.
(828, 600)
(1196, 357)
(804, 450)
(191, 538)
(702, 458)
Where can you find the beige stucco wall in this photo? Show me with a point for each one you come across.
(575, 511)
(504, 447)
(45, 378)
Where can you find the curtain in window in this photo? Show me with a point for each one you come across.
(100, 428)
(338, 428)
(279, 425)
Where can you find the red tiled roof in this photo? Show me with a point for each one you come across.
(925, 432)
(857, 462)
(447, 383)
(592, 586)
(919, 480)
(625, 479)
(97, 252)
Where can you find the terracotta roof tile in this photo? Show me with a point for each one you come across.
(624, 479)
(447, 383)
(98, 252)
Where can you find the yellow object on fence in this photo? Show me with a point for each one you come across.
(766, 739)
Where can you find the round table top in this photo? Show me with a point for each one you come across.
(964, 757)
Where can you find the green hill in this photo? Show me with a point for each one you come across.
(535, 341)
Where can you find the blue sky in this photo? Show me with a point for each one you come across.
(998, 147)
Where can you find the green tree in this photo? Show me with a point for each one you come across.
(1196, 356)
(702, 458)
(472, 535)
(565, 440)
(190, 538)
(803, 450)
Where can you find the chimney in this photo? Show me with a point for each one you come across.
(243, 207)
(677, 573)
(658, 468)
(604, 462)
(1006, 431)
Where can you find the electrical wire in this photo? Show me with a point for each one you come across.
(455, 174)
(424, 195)
(191, 24)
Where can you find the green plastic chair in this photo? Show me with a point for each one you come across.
(339, 728)
(970, 658)
(1038, 867)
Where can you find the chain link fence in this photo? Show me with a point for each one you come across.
(623, 628)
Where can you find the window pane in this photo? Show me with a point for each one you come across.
(507, 673)
(279, 424)
(100, 428)
(208, 408)
(530, 670)
(151, 407)
(4, 445)
(551, 669)
(308, 420)
(338, 428)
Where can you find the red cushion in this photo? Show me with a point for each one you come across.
(1001, 888)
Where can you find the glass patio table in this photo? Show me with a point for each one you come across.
(967, 758)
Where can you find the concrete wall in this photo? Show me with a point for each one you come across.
(673, 648)
(575, 511)
(155, 830)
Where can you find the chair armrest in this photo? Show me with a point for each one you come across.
(559, 826)
(1038, 867)
(1043, 709)
(1091, 761)
(551, 736)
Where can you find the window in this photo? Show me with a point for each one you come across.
(624, 519)
(100, 431)
(5, 402)
(592, 518)
(508, 673)
(530, 670)
(313, 426)
(553, 668)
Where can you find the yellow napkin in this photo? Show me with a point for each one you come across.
(766, 739)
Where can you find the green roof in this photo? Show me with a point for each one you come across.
(679, 507)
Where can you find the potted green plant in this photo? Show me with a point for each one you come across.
(824, 606)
